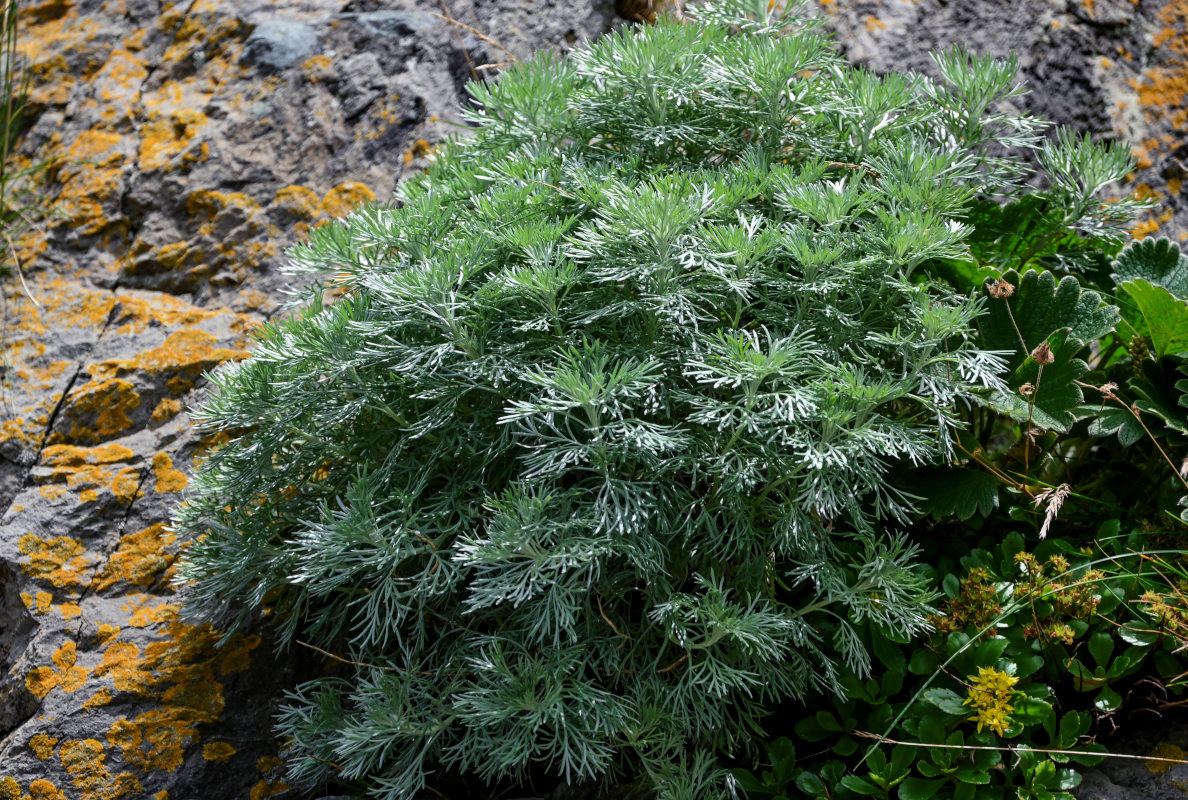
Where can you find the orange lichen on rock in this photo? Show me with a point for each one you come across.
(169, 480)
(45, 38)
(109, 402)
(217, 751)
(167, 409)
(43, 746)
(135, 314)
(182, 673)
(343, 198)
(83, 760)
(139, 559)
(65, 674)
(9, 788)
(126, 485)
(61, 561)
(186, 352)
(42, 789)
(100, 698)
(165, 136)
(91, 176)
(264, 789)
(298, 201)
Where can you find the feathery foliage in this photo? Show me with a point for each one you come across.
(585, 463)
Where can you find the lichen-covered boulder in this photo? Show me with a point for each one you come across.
(191, 143)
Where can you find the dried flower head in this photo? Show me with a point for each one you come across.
(1027, 389)
(1042, 354)
(1000, 289)
(1054, 499)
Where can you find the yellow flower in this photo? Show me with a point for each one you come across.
(990, 694)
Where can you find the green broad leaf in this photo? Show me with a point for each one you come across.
(1028, 664)
(1054, 395)
(923, 661)
(1138, 637)
(919, 788)
(955, 491)
(887, 652)
(1072, 726)
(860, 785)
(1113, 420)
(1157, 261)
(1164, 316)
(947, 701)
(810, 784)
(1038, 309)
(1107, 700)
(1101, 647)
(973, 775)
(1085, 755)
(1031, 711)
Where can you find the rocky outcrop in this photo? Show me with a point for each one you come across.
(192, 142)
(1115, 68)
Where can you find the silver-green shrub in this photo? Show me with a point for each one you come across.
(584, 468)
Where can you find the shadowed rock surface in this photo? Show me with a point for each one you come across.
(193, 142)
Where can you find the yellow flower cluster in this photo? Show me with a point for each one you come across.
(990, 694)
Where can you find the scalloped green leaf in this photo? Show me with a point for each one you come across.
(1164, 314)
(1157, 261)
(1056, 395)
(953, 491)
(1039, 308)
(1114, 420)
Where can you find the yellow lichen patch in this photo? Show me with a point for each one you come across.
(1165, 751)
(52, 491)
(65, 674)
(84, 760)
(84, 467)
(99, 698)
(181, 672)
(168, 408)
(217, 751)
(70, 675)
(126, 485)
(69, 610)
(169, 480)
(43, 746)
(40, 681)
(268, 763)
(145, 615)
(44, 601)
(91, 175)
(165, 136)
(42, 44)
(188, 352)
(161, 795)
(138, 560)
(42, 789)
(9, 788)
(135, 314)
(106, 633)
(298, 201)
(61, 561)
(206, 203)
(119, 83)
(265, 789)
(874, 23)
(109, 401)
(343, 198)
(1174, 185)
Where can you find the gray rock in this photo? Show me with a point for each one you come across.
(278, 44)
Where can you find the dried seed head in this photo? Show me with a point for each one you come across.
(1042, 354)
(1053, 499)
(1000, 289)
(1027, 389)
